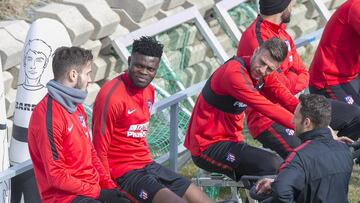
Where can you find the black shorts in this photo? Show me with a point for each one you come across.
(279, 139)
(82, 199)
(347, 92)
(143, 184)
(236, 159)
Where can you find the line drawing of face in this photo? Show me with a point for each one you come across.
(36, 58)
(35, 63)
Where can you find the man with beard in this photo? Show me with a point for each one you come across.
(293, 74)
(214, 137)
(121, 117)
(319, 169)
(66, 166)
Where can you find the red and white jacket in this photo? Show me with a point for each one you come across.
(64, 159)
(293, 72)
(121, 116)
(209, 125)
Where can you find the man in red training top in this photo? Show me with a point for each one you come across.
(214, 136)
(121, 116)
(66, 166)
(334, 71)
(292, 74)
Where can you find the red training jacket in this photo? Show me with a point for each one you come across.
(293, 72)
(337, 58)
(64, 159)
(121, 116)
(208, 125)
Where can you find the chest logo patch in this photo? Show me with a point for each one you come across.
(149, 104)
(82, 121)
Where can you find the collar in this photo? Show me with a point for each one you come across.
(272, 26)
(68, 97)
(129, 85)
(318, 133)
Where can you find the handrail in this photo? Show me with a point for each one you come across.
(171, 102)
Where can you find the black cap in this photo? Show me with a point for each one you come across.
(271, 7)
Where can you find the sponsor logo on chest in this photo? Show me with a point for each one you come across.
(138, 130)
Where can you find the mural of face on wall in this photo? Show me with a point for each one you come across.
(35, 62)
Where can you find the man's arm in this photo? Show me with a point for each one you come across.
(301, 74)
(105, 181)
(103, 129)
(354, 16)
(238, 85)
(289, 181)
(275, 90)
(56, 170)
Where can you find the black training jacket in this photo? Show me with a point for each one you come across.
(318, 171)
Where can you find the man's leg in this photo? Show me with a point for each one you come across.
(237, 159)
(179, 185)
(279, 139)
(25, 184)
(345, 119)
(82, 199)
(145, 186)
(193, 195)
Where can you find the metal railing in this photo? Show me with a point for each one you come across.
(171, 102)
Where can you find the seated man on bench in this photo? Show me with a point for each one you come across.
(214, 136)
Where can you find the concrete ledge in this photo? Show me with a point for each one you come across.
(138, 10)
(99, 14)
(77, 26)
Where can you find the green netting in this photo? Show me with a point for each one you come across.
(244, 14)
(159, 132)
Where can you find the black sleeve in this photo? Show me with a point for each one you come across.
(289, 182)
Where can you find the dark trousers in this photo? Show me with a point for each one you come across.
(25, 183)
(82, 199)
(236, 159)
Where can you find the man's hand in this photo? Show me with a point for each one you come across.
(263, 186)
(112, 196)
(342, 139)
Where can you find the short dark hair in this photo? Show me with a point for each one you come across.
(277, 48)
(66, 58)
(148, 46)
(317, 108)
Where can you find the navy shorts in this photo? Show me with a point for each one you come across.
(236, 159)
(143, 184)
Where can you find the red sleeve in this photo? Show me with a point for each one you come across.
(301, 80)
(238, 84)
(105, 181)
(276, 91)
(354, 16)
(56, 170)
(103, 128)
